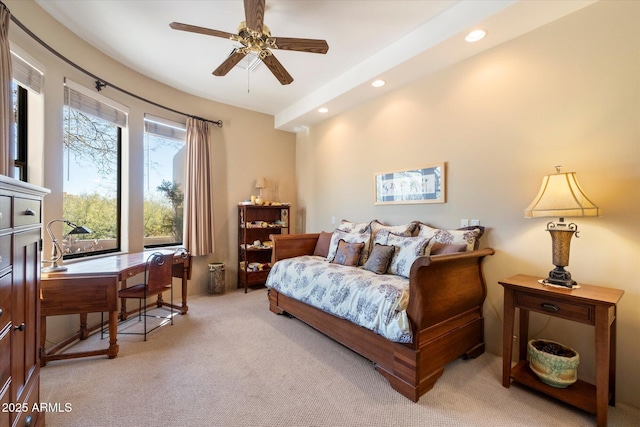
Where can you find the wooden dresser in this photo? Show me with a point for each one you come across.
(20, 252)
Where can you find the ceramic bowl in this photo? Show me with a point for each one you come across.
(555, 370)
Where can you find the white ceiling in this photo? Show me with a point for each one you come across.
(396, 40)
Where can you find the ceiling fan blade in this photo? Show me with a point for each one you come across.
(200, 30)
(228, 63)
(302, 45)
(254, 14)
(277, 69)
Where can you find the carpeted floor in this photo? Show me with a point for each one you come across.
(231, 362)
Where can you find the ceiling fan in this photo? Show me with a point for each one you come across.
(256, 38)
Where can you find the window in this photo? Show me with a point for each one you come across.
(92, 169)
(164, 151)
(20, 110)
(25, 77)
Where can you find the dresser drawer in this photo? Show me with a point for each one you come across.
(5, 362)
(577, 312)
(5, 251)
(26, 211)
(5, 301)
(5, 212)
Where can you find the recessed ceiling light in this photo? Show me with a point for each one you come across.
(378, 83)
(475, 35)
(323, 110)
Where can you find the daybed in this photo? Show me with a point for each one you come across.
(443, 307)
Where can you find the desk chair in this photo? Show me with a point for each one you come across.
(157, 279)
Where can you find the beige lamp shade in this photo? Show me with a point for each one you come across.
(560, 196)
(261, 183)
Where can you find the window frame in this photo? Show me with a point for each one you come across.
(117, 115)
(168, 129)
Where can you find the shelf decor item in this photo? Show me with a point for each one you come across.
(561, 196)
(555, 364)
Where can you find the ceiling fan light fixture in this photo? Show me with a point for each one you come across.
(475, 35)
(378, 83)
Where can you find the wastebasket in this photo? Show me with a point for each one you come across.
(216, 278)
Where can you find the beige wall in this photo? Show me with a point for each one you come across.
(245, 148)
(567, 94)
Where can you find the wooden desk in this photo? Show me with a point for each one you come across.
(588, 304)
(91, 286)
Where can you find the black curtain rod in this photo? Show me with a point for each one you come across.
(100, 83)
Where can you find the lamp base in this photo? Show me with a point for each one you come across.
(54, 268)
(560, 277)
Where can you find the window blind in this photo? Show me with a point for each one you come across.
(26, 74)
(165, 128)
(82, 99)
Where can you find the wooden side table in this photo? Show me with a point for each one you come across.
(588, 304)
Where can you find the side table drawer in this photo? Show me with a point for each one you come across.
(577, 312)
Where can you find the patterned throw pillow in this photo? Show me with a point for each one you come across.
(379, 231)
(409, 249)
(349, 238)
(353, 227)
(379, 258)
(348, 253)
(468, 236)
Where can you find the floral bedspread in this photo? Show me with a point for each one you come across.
(376, 302)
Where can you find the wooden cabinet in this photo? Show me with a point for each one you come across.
(20, 229)
(255, 225)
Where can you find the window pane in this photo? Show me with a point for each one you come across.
(19, 130)
(91, 186)
(164, 186)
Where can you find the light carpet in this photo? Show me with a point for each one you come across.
(231, 362)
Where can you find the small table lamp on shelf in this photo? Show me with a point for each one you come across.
(561, 196)
(56, 250)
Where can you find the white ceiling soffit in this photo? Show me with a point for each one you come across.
(442, 45)
(397, 40)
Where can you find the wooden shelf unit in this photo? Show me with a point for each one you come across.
(258, 223)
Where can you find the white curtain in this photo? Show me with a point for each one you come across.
(198, 233)
(6, 98)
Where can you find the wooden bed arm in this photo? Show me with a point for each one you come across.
(446, 286)
(292, 245)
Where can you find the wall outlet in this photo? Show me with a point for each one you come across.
(464, 223)
(475, 222)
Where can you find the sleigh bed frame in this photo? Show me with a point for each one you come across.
(445, 311)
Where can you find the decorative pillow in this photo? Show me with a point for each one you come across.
(438, 248)
(379, 258)
(349, 238)
(409, 249)
(467, 235)
(322, 245)
(353, 227)
(379, 231)
(348, 253)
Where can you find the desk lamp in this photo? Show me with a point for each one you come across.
(561, 196)
(56, 250)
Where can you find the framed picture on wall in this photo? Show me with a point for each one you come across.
(423, 185)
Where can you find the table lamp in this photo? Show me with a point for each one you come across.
(56, 250)
(561, 196)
